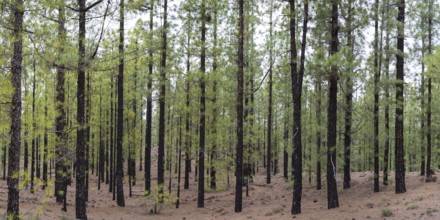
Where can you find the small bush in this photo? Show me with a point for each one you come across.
(386, 212)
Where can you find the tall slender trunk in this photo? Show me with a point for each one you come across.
(399, 152)
(213, 172)
(45, 150)
(318, 136)
(187, 120)
(269, 116)
(120, 122)
(15, 113)
(161, 154)
(61, 119)
(34, 128)
(180, 162)
(201, 183)
(297, 83)
(148, 137)
(240, 127)
(348, 101)
(286, 144)
(387, 98)
(80, 196)
(376, 96)
(429, 110)
(422, 102)
(332, 191)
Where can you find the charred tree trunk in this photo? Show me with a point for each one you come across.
(80, 196)
(387, 97)
(61, 162)
(318, 138)
(429, 110)
(399, 153)
(148, 136)
(201, 182)
(332, 190)
(269, 116)
(240, 127)
(348, 104)
(376, 97)
(15, 113)
(161, 154)
(297, 83)
(120, 123)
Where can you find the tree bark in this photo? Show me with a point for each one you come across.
(201, 182)
(161, 153)
(120, 123)
(297, 83)
(240, 127)
(15, 113)
(332, 191)
(399, 153)
(148, 136)
(80, 196)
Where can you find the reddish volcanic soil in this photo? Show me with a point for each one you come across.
(421, 201)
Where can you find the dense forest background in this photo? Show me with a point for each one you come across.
(145, 92)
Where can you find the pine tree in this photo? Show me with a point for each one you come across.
(15, 113)
(399, 153)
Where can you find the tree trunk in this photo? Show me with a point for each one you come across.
(61, 119)
(387, 98)
(269, 116)
(376, 97)
(161, 154)
(429, 110)
(240, 127)
(187, 120)
(332, 191)
(15, 113)
(297, 83)
(201, 183)
(120, 123)
(318, 137)
(80, 196)
(399, 152)
(148, 137)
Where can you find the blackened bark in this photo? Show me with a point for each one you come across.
(399, 152)
(147, 170)
(61, 119)
(201, 182)
(213, 159)
(318, 137)
(101, 147)
(34, 125)
(286, 144)
(387, 98)
(429, 110)
(179, 163)
(15, 113)
(120, 123)
(297, 83)
(348, 102)
(45, 150)
(269, 116)
(187, 120)
(111, 137)
(376, 97)
(80, 196)
(240, 80)
(161, 153)
(332, 191)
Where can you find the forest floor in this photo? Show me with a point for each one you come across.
(421, 201)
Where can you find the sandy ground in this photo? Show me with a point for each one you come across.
(421, 201)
